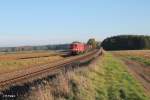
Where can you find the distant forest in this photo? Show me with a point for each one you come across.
(63, 47)
(30, 48)
(126, 42)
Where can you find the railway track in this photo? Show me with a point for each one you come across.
(33, 73)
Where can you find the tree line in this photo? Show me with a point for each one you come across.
(126, 42)
(30, 48)
(92, 42)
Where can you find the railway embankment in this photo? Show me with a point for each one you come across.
(104, 79)
(18, 83)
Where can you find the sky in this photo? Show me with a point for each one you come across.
(39, 22)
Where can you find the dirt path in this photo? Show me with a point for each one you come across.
(140, 72)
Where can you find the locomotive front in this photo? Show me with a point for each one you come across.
(77, 48)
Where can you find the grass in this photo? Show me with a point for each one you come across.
(138, 53)
(113, 82)
(106, 79)
(25, 54)
(14, 61)
(146, 62)
(141, 56)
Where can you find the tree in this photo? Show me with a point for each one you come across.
(92, 42)
(126, 42)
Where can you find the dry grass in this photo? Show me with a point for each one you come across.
(66, 86)
(140, 56)
(25, 55)
(138, 53)
(15, 61)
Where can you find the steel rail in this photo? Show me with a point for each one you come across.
(25, 75)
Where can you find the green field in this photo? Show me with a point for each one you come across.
(105, 79)
(110, 81)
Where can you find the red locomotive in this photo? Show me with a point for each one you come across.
(78, 47)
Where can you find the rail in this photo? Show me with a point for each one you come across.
(33, 73)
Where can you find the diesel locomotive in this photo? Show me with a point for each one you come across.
(78, 48)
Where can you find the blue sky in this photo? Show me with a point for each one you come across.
(37, 22)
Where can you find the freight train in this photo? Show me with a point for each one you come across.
(78, 48)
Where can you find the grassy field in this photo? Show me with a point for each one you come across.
(145, 61)
(25, 54)
(19, 60)
(113, 82)
(142, 56)
(138, 63)
(105, 79)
